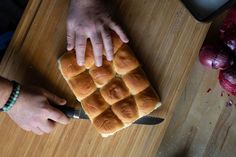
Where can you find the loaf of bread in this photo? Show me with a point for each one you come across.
(114, 95)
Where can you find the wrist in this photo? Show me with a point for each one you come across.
(13, 97)
(5, 91)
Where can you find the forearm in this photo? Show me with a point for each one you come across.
(5, 91)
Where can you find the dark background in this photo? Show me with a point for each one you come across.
(10, 14)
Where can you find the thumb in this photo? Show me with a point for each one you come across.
(57, 116)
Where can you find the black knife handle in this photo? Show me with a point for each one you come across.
(68, 111)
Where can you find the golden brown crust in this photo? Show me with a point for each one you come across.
(68, 65)
(82, 85)
(136, 81)
(102, 75)
(124, 61)
(126, 110)
(107, 122)
(147, 101)
(114, 91)
(94, 104)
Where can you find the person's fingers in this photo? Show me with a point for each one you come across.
(106, 37)
(70, 38)
(47, 126)
(54, 98)
(119, 31)
(37, 131)
(57, 116)
(97, 44)
(80, 47)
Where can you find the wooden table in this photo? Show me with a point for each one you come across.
(166, 39)
(202, 125)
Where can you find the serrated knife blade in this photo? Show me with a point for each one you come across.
(80, 114)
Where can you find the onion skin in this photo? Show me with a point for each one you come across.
(215, 57)
(227, 79)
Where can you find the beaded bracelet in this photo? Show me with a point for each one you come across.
(12, 99)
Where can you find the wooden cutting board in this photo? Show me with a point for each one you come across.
(166, 40)
(203, 124)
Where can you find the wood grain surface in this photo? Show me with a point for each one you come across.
(166, 40)
(203, 125)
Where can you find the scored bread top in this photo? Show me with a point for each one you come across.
(114, 95)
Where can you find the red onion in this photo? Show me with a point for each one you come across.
(215, 57)
(227, 80)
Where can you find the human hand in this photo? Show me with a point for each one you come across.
(32, 111)
(89, 19)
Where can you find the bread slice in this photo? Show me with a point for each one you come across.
(114, 95)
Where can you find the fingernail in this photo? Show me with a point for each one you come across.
(109, 57)
(69, 47)
(127, 40)
(80, 63)
(67, 122)
(62, 101)
(98, 63)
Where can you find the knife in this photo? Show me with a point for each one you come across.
(80, 114)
